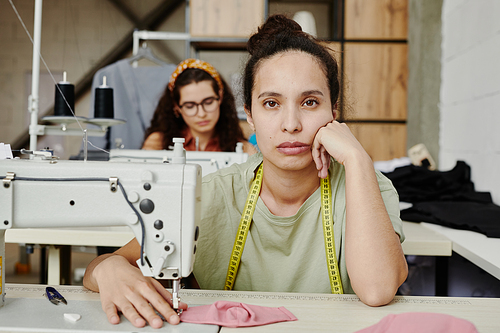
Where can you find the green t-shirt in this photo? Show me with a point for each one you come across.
(281, 254)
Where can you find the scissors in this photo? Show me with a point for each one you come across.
(54, 296)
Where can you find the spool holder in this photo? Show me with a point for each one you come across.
(63, 122)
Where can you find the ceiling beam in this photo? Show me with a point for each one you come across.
(139, 25)
(127, 12)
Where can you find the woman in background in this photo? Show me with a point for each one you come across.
(199, 106)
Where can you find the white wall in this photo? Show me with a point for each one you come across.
(470, 90)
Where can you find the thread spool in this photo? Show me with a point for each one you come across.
(63, 106)
(103, 101)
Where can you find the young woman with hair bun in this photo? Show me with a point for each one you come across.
(325, 220)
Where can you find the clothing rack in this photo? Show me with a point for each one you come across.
(139, 35)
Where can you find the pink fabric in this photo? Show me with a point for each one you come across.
(233, 314)
(416, 322)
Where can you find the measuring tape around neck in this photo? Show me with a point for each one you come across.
(246, 221)
(326, 216)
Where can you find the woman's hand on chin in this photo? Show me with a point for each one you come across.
(336, 140)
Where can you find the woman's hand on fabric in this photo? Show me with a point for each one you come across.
(124, 289)
(334, 140)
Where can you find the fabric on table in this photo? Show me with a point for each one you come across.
(417, 322)
(417, 184)
(447, 198)
(463, 215)
(234, 314)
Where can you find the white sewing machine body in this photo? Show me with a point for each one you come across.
(42, 193)
(210, 161)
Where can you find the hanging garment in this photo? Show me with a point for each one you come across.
(136, 93)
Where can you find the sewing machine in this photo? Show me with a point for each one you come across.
(160, 202)
(210, 161)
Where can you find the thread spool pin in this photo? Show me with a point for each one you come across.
(103, 103)
(64, 102)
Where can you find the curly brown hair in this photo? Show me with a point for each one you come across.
(166, 122)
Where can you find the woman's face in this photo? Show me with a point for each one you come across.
(290, 102)
(196, 98)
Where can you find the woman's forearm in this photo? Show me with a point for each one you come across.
(374, 257)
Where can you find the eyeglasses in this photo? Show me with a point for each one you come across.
(208, 104)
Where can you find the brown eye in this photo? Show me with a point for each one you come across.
(270, 104)
(311, 102)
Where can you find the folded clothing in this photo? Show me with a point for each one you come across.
(475, 216)
(446, 198)
(417, 184)
(234, 314)
(416, 322)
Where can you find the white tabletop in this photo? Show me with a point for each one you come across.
(422, 241)
(315, 312)
(98, 236)
(475, 247)
(419, 240)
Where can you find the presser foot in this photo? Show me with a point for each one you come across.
(175, 296)
(175, 303)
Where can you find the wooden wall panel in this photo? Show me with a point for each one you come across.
(376, 19)
(335, 47)
(335, 50)
(225, 18)
(376, 77)
(382, 142)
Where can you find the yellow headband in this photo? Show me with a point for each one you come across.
(194, 63)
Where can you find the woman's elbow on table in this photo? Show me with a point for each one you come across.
(379, 294)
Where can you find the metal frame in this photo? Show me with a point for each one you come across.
(190, 42)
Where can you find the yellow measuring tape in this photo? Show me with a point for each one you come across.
(246, 221)
(331, 258)
(241, 236)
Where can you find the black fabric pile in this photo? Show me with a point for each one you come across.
(446, 198)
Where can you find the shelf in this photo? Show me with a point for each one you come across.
(219, 43)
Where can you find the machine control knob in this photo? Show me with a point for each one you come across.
(158, 224)
(147, 206)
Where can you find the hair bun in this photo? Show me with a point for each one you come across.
(274, 25)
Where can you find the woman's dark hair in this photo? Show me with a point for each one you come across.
(166, 122)
(280, 34)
